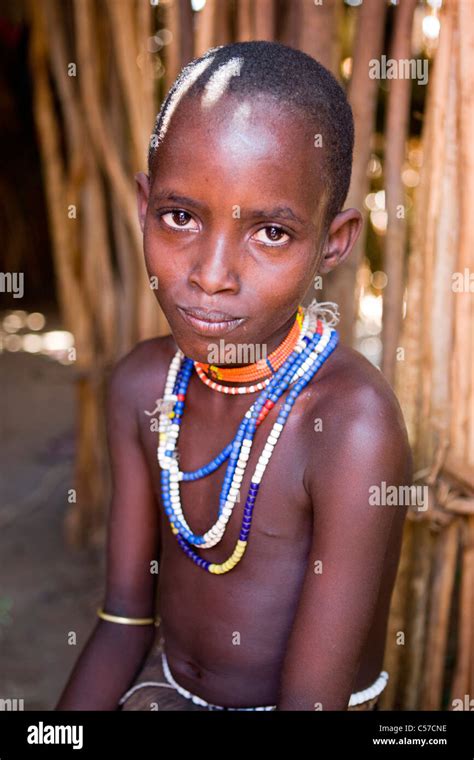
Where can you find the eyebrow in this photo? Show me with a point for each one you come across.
(278, 212)
(165, 195)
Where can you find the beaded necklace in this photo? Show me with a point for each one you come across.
(317, 341)
(253, 372)
(235, 469)
(257, 370)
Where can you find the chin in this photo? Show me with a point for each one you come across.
(192, 346)
(198, 347)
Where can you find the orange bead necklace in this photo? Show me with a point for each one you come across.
(258, 370)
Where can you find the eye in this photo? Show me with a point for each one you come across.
(272, 235)
(178, 219)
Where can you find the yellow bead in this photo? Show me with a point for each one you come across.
(231, 561)
(215, 370)
(171, 415)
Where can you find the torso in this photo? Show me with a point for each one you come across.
(226, 635)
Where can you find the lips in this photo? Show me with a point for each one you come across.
(209, 315)
(208, 321)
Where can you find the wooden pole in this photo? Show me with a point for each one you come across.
(395, 141)
(341, 284)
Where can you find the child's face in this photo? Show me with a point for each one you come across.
(233, 221)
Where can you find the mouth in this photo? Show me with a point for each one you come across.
(210, 322)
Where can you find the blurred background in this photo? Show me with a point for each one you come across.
(80, 84)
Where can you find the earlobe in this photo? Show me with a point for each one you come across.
(142, 182)
(330, 259)
(333, 255)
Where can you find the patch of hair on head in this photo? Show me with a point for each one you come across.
(185, 80)
(219, 81)
(179, 92)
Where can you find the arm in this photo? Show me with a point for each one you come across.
(351, 537)
(114, 653)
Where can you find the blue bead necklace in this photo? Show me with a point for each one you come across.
(314, 347)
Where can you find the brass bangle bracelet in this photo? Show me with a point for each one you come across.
(125, 620)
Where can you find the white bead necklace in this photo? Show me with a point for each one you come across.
(169, 434)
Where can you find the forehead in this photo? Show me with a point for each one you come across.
(242, 146)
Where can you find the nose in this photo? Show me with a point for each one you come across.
(215, 268)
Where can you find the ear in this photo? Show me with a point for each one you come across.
(142, 181)
(341, 237)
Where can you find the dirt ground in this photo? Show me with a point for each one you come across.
(46, 589)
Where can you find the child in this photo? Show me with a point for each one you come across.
(275, 568)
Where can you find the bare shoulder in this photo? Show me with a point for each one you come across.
(354, 392)
(146, 358)
(138, 378)
(356, 420)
